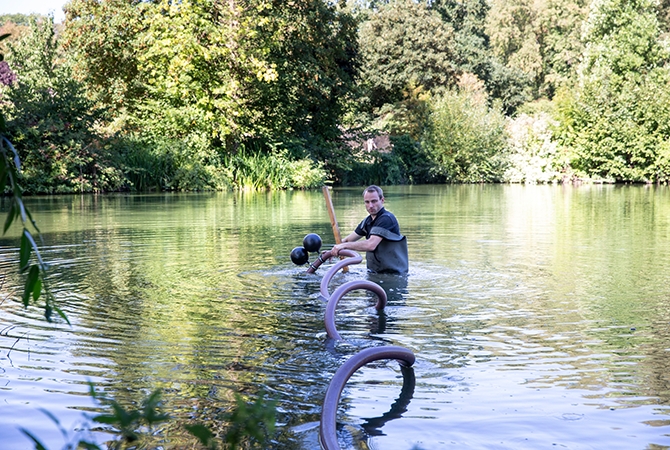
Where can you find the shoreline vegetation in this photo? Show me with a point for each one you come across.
(203, 95)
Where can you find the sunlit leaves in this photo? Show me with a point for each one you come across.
(52, 123)
(130, 422)
(9, 173)
(541, 39)
(466, 138)
(405, 44)
(200, 57)
(101, 38)
(615, 121)
(251, 421)
(248, 423)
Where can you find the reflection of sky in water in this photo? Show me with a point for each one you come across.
(539, 316)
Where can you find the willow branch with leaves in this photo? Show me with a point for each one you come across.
(30, 259)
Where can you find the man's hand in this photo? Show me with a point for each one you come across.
(368, 245)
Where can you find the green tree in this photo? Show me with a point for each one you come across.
(466, 138)
(473, 52)
(192, 84)
(12, 25)
(561, 23)
(18, 19)
(52, 123)
(10, 171)
(540, 39)
(102, 39)
(664, 15)
(514, 38)
(314, 49)
(236, 72)
(196, 63)
(617, 122)
(405, 44)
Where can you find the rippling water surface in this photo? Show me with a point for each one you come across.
(539, 316)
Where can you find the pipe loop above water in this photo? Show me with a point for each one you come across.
(328, 428)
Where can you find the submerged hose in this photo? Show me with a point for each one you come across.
(327, 433)
(328, 429)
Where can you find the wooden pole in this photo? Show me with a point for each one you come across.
(333, 218)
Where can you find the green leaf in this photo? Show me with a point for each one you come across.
(200, 431)
(91, 391)
(151, 405)
(35, 248)
(38, 444)
(37, 290)
(32, 221)
(88, 445)
(17, 160)
(31, 283)
(62, 314)
(107, 419)
(24, 253)
(11, 215)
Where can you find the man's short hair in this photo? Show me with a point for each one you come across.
(374, 188)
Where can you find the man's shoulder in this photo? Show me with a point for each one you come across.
(387, 221)
(388, 215)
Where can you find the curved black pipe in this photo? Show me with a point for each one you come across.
(325, 256)
(329, 317)
(354, 258)
(328, 430)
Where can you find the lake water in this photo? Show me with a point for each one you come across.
(539, 317)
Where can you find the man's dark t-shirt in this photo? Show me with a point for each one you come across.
(384, 219)
(390, 256)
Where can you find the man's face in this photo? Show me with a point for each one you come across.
(373, 203)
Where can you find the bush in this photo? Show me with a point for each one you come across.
(52, 123)
(616, 121)
(257, 171)
(415, 162)
(195, 165)
(466, 139)
(619, 134)
(534, 154)
(375, 167)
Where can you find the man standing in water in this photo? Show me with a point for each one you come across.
(385, 247)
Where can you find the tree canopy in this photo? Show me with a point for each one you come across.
(214, 94)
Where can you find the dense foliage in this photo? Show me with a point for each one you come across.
(405, 43)
(616, 122)
(52, 123)
(465, 137)
(31, 264)
(241, 94)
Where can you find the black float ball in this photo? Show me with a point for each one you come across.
(299, 256)
(312, 242)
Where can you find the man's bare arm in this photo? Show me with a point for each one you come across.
(352, 237)
(368, 245)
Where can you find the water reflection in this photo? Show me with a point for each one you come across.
(539, 314)
(373, 426)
